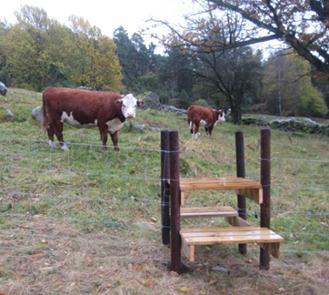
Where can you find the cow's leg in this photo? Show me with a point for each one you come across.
(103, 129)
(58, 128)
(210, 130)
(51, 132)
(196, 126)
(114, 138)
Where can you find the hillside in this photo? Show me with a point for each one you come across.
(87, 221)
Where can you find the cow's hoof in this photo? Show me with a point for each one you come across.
(116, 148)
(51, 144)
(64, 147)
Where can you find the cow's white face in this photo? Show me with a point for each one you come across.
(129, 104)
(221, 116)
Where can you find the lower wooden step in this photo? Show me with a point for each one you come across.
(192, 237)
(221, 211)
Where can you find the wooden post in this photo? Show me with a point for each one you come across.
(265, 208)
(165, 174)
(240, 172)
(175, 239)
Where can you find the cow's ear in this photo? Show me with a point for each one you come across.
(140, 103)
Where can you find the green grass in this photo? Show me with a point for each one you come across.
(115, 196)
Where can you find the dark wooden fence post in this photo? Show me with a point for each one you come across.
(240, 172)
(165, 174)
(175, 239)
(265, 208)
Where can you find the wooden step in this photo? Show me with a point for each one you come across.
(246, 187)
(229, 235)
(220, 211)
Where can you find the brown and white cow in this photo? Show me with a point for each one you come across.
(206, 116)
(107, 110)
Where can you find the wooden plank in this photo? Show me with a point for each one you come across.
(191, 253)
(237, 221)
(253, 194)
(230, 235)
(233, 240)
(226, 179)
(182, 198)
(219, 229)
(219, 183)
(222, 211)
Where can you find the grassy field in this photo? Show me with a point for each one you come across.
(87, 221)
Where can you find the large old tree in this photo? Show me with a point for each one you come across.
(233, 71)
(301, 24)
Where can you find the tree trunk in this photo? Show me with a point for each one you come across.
(236, 109)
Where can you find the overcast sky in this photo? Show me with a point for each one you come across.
(106, 15)
(110, 14)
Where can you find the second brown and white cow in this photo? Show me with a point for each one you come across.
(107, 110)
(202, 115)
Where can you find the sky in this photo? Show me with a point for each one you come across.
(106, 15)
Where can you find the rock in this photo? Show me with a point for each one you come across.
(292, 124)
(9, 115)
(131, 126)
(3, 89)
(170, 108)
(6, 115)
(219, 268)
(151, 101)
(37, 113)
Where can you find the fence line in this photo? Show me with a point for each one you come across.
(158, 150)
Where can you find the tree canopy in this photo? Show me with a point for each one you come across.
(303, 25)
(37, 52)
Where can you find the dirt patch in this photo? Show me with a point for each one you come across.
(41, 256)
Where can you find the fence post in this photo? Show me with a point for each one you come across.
(265, 207)
(240, 172)
(165, 219)
(175, 239)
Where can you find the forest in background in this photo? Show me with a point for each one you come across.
(37, 52)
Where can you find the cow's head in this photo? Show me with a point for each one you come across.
(220, 115)
(128, 106)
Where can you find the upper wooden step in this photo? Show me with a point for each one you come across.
(249, 188)
(219, 183)
(220, 211)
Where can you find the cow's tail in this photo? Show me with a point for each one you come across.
(44, 117)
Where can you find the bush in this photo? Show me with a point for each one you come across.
(312, 102)
(201, 102)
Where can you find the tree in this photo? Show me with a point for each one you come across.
(303, 25)
(138, 61)
(24, 45)
(3, 58)
(38, 52)
(232, 71)
(288, 88)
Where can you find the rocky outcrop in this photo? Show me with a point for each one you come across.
(37, 113)
(6, 115)
(294, 124)
(152, 101)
